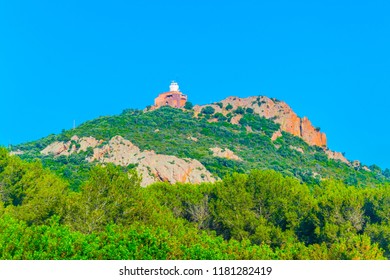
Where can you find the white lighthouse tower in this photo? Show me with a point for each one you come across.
(173, 86)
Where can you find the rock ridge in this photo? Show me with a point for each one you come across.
(274, 109)
(151, 166)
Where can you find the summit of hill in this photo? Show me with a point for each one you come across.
(174, 141)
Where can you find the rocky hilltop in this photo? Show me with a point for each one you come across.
(195, 144)
(275, 110)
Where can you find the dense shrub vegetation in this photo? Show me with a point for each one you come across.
(259, 215)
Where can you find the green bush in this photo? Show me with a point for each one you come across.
(239, 110)
(208, 110)
(220, 105)
(188, 105)
(249, 110)
(220, 117)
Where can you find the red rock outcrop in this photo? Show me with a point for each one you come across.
(311, 135)
(224, 153)
(16, 153)
(276, 135)
(276, 110)
(59, 148)
(155, 167)
(151, 166)
(336, 156)
(236, 119)
(298, 149)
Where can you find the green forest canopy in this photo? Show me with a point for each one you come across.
(260, 215)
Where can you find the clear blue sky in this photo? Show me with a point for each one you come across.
(329, 60)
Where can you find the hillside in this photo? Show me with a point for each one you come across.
(244, 178)
(201, 144)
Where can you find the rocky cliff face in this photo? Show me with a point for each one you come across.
(75, 144)
(279, 111)
(310, 134)
(151, 166)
